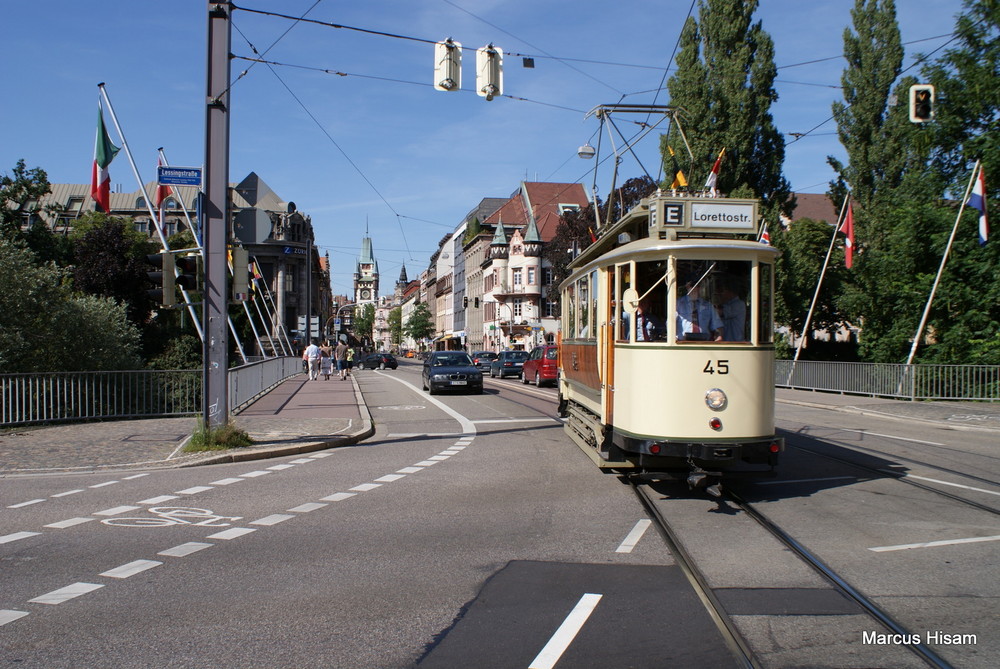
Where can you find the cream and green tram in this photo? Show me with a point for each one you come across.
(666, 344)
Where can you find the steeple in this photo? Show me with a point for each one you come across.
(532, 240)
(402, 277)
(499, 246)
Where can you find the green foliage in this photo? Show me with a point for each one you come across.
(181, 352)
(419, 325)
(364, 321)
(395, 321)
(218, 439)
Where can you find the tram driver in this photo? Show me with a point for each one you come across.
(697, 319)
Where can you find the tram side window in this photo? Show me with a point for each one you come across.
(624, 284)
(593, 305)
(713, 298)
(569, 304)
(650, 322)
(583, 291)
(765, 304)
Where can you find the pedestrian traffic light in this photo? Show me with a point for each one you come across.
(241, 276)
(489, 72)
(921, 103)
(162, 277)
(448, 65)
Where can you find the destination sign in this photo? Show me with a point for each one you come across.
(708, 214)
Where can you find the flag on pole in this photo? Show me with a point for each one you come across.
(765, 236)
(104, 153)
(848, 229)
(679, 181)
(713, 176)
(163, 191)
(593, 237)
(977, 200)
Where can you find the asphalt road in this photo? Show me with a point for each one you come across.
(466, 532)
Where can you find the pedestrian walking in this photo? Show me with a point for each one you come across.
(312, 356)
(326, 360)
(350, 360)
(340, 354)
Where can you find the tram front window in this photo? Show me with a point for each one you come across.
(712, 300)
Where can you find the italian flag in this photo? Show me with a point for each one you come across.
(104, 153)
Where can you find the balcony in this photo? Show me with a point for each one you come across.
(521, 289)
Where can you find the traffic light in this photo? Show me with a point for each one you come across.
(241, 276)
(489, 72)
(921, 103)
(465, 302)
(163, 277)
(448, 65)
(187, 271)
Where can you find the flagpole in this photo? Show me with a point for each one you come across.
(944, 259)
(819, 284)
(149, 204)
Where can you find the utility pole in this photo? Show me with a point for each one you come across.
(215, 226)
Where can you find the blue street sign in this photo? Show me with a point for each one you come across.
(178, 176)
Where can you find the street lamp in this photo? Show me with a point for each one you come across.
(336, 314)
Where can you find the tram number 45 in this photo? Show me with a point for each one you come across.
(713, 366)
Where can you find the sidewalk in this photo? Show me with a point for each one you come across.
(298, 416)
(301, 416)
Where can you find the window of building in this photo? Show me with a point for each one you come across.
(140, 203)
(551, 309)
(517, 276)
(566, 208)
(74, 205)
(547, 276)
(517, 307)
(170, 203)
(531, 276)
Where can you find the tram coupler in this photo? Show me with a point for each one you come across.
(699, 478)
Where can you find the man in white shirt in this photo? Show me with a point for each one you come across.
(697, 319)
(312, 356)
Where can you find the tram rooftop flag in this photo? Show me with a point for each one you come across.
(848, 229)
(977, 200)
(713, 176)
(104, 153)
(679, 180)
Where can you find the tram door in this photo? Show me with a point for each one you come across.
(609, 316)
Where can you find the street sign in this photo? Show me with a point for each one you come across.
(178, 176)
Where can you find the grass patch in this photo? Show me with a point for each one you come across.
(217, 439)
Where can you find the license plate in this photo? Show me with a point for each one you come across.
(458, 383)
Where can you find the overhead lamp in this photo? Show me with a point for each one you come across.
(586, 151)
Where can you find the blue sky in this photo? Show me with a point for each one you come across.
(380, 148)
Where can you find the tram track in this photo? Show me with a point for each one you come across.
(739, 645)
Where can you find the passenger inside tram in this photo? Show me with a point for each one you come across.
(732, 309)
(697, 319)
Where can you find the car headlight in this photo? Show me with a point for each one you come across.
(440, 377)
(716, 399)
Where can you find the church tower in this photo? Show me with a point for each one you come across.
(366, 274)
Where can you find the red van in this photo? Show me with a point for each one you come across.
(542, 366)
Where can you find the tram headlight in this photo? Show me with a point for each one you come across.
(716, 399)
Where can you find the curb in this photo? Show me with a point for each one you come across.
(881, 414)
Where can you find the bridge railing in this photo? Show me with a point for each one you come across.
(52, 397)
(910, 382)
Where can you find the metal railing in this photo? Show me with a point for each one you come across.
(910, 382)
(52, 397)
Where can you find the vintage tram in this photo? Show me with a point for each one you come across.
(667, 342)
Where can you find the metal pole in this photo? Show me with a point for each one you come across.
(215, 226)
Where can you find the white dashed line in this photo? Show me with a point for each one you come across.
(278, 468)
(338, 497)
(634, 536)
(227, 481)
(409, 470)
(425, 463)
(102, 485)
(63, 524)
(116, 510)
(17, 536)
(273, 519)
(317, 456)
(183, 550)
(306, 508)
(157, 500)
(933, 544)
(195, 490)
(560, 641)
(67, 493)
(365, 487)
(23, 504)
(439, 457)
(134, 476)
(232, 534)
(389, 478)
(8, 616)
(252, 475)
(69, 592)
(302, 461)
(131, 569)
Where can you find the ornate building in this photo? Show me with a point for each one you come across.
(366, 274)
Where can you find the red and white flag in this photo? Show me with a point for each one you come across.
(848, 229)
(713, 176)
(765, 236)
(104, 153)
(977, 200)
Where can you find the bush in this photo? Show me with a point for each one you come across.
(217, 439)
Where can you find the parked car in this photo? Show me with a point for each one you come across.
(482, 359)
(508, 363)
(378, 360)
(542, 365)
(451, 370)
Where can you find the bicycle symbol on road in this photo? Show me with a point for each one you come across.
(174, 515)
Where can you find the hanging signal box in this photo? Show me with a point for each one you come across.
(448, 65)
(489, 72)
(921, 103)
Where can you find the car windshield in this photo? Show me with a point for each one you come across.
(451, 360)
(517, 355)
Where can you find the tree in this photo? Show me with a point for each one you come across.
(723, 90)
(395, 322)
(17, 193)
(419, 325)
(364, 322)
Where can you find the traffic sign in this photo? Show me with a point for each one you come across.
(178, 176)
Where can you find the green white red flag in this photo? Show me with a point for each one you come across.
(104, 153)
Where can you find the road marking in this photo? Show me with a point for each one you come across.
(17, 536)
(409, 470)
(316, 456)
(828, 478)
(956, 485)
(365, 487)
(29, 503)
(8, 616)
(278, 468)
(338, 497)
(232, 534)
(227, 481)
(306, 508)
(458, 447)
(131, 569)
(634, 536)
(63, 524)
(157, 500)
(425, 463)
(302, 461)
(195, 490)
(451, 451)
(273, 519)
(892, 436)
(389, 478)
(69, 592)
(560, 641)
(252, 475)
(516, 420)
(183, 550)
(67, 493)
(134, 476)
(439, 458)
(106, 483)
(934, 544)
(116, 510)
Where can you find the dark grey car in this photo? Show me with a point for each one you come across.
(508, 363)
(451, 370)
